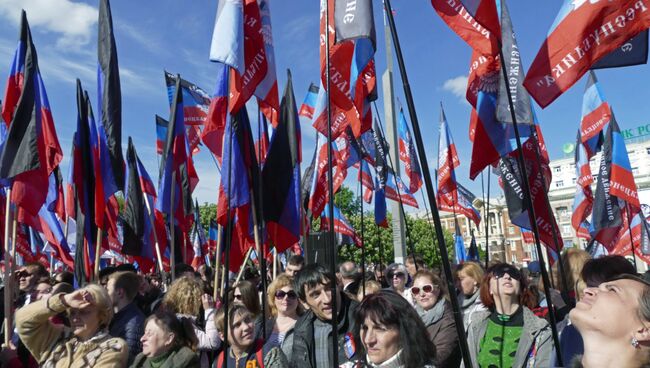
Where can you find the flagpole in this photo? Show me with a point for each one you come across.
(98, 247)
(217, 262)
(363, 248)
(486, 209)
(226, 270)
(330, 186)
(531, 212)
(8, 284)
(629, 228)
(409, 241)
(260, 246)
(155, 234)
(172, 230)
(243, 265)
(458, 317)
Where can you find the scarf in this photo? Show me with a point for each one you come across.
(467, 302)
(432, 315)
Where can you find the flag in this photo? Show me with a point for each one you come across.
(475, 21)
(402, 195)
(213, 236)
(459, 244)
(582, 33)
(173, 161)
(262, 142)
(31, 150)
(365, 178)
(200, 244)
(583, 200)
(161, 134)
(267, 89)
(309, 103)
(109, 92)
(354, 19)
(281, 176)
(238, 181)
(407, 154)
(380, 205)
(447, 163)
(462, 205)
(341, 224)
(213, 130)
(513, 189)
(137, 228)
(239, 41)
(621, 179)
(638, 231)
(472, 252)
(633, 52)
(381, 150)
(319, 188)
(196, 101)
(596, 114)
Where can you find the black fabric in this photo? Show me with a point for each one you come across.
(128, 324)
(134, 214)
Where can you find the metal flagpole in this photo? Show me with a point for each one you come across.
(629, 228)
(486, 208)
(330, 185)
(7, 274)
(172, 232)
(458, 318)
(363, 247)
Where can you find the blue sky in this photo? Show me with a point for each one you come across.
(175, 35)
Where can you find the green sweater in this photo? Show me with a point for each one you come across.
(499, 345)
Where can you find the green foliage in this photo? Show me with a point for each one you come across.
(207, 211)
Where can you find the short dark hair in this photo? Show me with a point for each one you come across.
(127, 281)
(417, 260)
(388, 308)
(310, 276)
(599, 270)
(36, 269)
(126, 267)
(182, 268)
(296, 260)
(65, 276)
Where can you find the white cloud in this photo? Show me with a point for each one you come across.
(456, 86)
(74, 21)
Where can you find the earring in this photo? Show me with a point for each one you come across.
(635, 343)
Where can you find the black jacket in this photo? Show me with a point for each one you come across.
(304, 350)
(128, 324)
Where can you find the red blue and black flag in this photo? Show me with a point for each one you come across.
(309, 103)
(109, 92)
(448, 161)
(341, 225)
(161, 134)
(215, 124)
(633, 52)
(596, 114)
(31, 150)
(281, 176)
(196, 104)
(583, 200)
(380, 206)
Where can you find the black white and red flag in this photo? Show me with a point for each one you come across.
(475, 21)
(583, 32)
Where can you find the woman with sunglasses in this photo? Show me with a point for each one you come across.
(284, 309)
(435, 311)
(398, 278)
(508, 334)
(246, 293)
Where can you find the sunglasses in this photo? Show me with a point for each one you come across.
(426, 288)
(397, 274)
(237, 296)
(501, 271)
(289, 294)
(21, 274)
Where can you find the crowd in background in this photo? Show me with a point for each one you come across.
(400, 315)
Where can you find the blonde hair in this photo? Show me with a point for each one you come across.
(573, 260)
(372, 287)
(184, 296)
(473, 270)
(103, 303)
(277, 284)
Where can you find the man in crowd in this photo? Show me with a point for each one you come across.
(28, 276)
(349, 275)
(313, 337)
(294, 264)
(410, 265)
(128, 320)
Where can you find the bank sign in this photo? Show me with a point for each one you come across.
(637, 132)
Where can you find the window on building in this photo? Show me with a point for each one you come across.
(511, 230)
(563, 212)
(573, 181)
(647, 150)
(513, 258)
(635, 170)
(566, 229)
(557, 169)
(559, 183)
(513, 246)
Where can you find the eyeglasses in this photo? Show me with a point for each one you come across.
(21, 274)
(289, 294)
(426, 288)
(237, 296)
(397, 274)
(501, 271)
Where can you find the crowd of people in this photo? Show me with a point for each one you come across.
(395, 316)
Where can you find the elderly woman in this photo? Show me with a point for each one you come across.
(397, 278)
(185, 298)
(243, 349)
(285, 310)
(614, 321)
(89, 344)
(167, 342)
(469, 276)
(508, 334)
(432, 306)
(389, 334)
